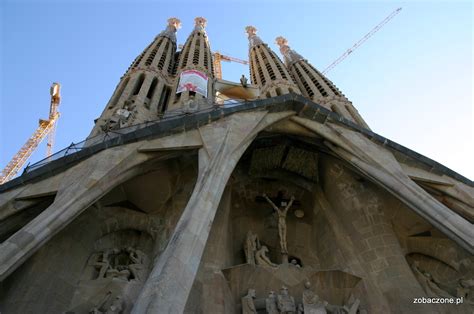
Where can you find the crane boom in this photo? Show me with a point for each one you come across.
(44, 127)
(361, 41)
(217, 59)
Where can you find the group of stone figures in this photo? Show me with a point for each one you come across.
(116, 305)
(256, 253)
(124, 264)
(121, 118)
(433, 288)
(284, 303)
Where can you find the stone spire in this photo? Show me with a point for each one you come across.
(194, 84)
(289, 54)
(254, 40)
(266, 69)
(316, 86)
(142, 92)
(173, 25)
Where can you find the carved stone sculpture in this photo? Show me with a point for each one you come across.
(243, 80)
(466, 290)
(248, 306)
(271, 303)
(311, 302)
(428, 283)
(137, 263)
(262, 259)
(118, 120)
(251, 245)
(281, 221)
(300, 308)
(116, 307)
(126, 264)
(285, 302)
(103, 263)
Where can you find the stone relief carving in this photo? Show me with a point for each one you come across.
(126, 264)
(281, 221)
(251, 245)
(248, 306)
(311, 302)
(118, 120)
(466, 290)
(115, 307)
(285, 302)
(262, 259)
(271, 303)
(429, 284)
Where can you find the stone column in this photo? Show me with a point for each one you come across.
(170, 282)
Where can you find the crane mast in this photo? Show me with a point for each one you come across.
(361, 41)
(44, 128)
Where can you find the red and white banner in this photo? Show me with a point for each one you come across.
(194, 81)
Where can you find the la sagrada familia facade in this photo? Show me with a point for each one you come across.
(285, 202)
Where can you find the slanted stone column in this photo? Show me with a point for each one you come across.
(170, 282)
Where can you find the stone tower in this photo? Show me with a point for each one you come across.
(213, 211)
(266, 69)
(316, 86)
(194, 85)
(143, 91)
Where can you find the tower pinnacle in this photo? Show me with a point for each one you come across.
(200, 24)
(254, 40)
(173, 25)
(289, 54)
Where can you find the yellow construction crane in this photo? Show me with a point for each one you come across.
(217, 59)
(45, 127)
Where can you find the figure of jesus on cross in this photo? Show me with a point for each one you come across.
(281, 211)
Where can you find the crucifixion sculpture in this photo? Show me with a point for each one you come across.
(281, 211)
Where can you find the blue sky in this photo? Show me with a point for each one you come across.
(412, 81)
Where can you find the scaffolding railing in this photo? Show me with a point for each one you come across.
(103, 137)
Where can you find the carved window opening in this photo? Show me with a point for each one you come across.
(328, 83)
(260, 71)
(174, 63)
(164, 54)
(277, 62)
(165, 95)
(187, 48)
(119, 92)
(314, 80)
(138, 84)
(152, 55)
(152, 88)
(197, 50)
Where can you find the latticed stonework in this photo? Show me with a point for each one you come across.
(143, 92)
(266, 69)
(195, 55)
(316, 86)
